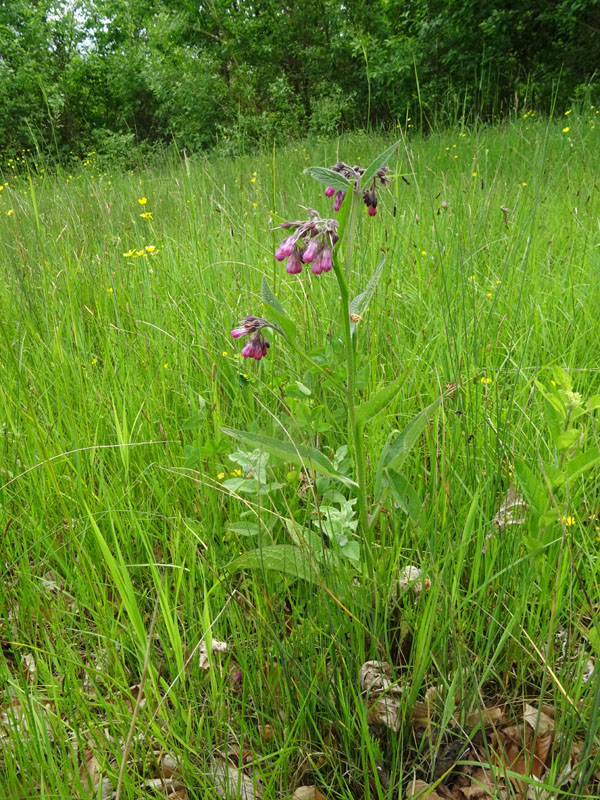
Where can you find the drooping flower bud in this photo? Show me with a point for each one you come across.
(329, 191)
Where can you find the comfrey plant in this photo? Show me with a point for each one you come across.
(327, 245)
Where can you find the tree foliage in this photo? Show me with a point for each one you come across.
(108, 74)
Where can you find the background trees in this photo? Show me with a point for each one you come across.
(110, 74)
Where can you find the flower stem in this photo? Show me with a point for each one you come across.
(354, 429)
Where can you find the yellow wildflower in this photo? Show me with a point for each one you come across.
(142, 200)
(110, 290)
(568, 521)
(146, 215)
(220, 475)
(566, 130)
(9, 213)
(128, 254)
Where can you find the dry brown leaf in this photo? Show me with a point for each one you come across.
(267, 733)
(482, 786)
(376, 677)
(383, 694)
(217, 647)
(231, 782)
(308, 793)
(410, 578)
(420, 789)
(488, 717)
(168, 766)
(386, 711)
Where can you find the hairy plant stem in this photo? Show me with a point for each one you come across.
(354, 429)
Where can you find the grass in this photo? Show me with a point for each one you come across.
(120, 513)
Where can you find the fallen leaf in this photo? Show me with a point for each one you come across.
(420, 789)
(308, 793)
(217, 647)
(231, 782)
(410, 578)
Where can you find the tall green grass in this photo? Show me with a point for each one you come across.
(118, 373)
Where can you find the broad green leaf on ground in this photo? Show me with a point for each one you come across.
(285, 558)
(300, 454)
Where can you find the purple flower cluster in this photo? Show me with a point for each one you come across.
(257, 346)
(354, 173)
(311, 243)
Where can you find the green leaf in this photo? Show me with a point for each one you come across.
(376, 164)
(300, 454)
(405, 495)
(362, 300)
(276, 310)
(285, 558)
(555, 475)
(581, 463)
(531, 486)
(244, 528)
(408, 437)
(329, 177)
(382, 398)
(568, 438)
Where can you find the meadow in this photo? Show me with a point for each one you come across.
(148, 648)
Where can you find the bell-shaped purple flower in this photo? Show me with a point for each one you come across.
(339, 199)
(256, 347)
(294, 264)
(285, 248)
(329, 191)
(311, 251)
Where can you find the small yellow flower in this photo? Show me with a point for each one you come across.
(139, 253)
(524, 183)
(9, 213)
(110, 290)
(566, 130)
(165, 365)
(568, 521)
(471, 277)
(423, 252)
(570, 111)
(146, 215)
(220, 475)
(498, 283)
(237, 473)
(224, 353)
(128, 254)
(254, 205)
(150, 248)
(474, 174)
(253, 180)
(142, 200)
(485, 380)
(94, 361)
(488, 295)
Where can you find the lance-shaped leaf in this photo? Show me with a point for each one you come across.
(405, 495)
(329, 177)
(395, 453)
(376, 404)
(307, 457)
(285, 558)
(276, 311)
(377, 164)
(362, 300)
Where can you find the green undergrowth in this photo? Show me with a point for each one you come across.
(119, 494)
